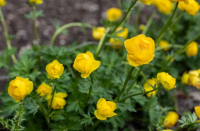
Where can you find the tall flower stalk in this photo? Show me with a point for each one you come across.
(34, 24)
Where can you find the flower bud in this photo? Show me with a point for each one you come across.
(35, 1)
(171, 119)
(2, 3)
(165, 6)
(164, 44)
(98, 32)
(44, 89)
(147, 2)
(148, 86)
(192, 8)
(113, 14)
(197, 110)
(167, 81)
(185, 78)
(192, 49)
(105, 109)
(54, 69)
(19, 88)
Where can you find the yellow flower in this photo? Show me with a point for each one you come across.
(58, 100)
(167, 130)
(44, 89)
(54, 69)
(35, 1)
(185, 78)
(140, 50)
(98, 32)
(142, 27)
(2, 3)
(167, 81)
(171, 119)
(19, 88)
(194, 79)
(164, 44)
(85, 64)
(155, 2)
(197, 110)
(192, 8)
(113, 14)
(123, 33)
(185, 1)
(147, 2)
(105, 109)
(165, 6)
(192, 49)
(148, 87)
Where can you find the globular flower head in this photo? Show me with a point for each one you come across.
(167, 81)
(58, 101)
(98, 32)
(192, 8)
(192, 49)
(185, 1)
(148, 86)
(140, 50)
(167, 130)
(123, 33)
(105, 109)
(164, 6)
(194, 79)
(44, 89)
(113, 14)
(171, 119)
(19, 88)
(54, 69)
(2, 3)
(197, 110)
(147, 2)
(164, 44)
(185, 78)
(35, 1)
(85, 64)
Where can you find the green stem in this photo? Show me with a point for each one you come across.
(71, 71)
(178, 52)
(99, 48)
(95, 124)
(169, 46)
(119, 3)
(53, 93)
(44, 111)
(7, 35)
(88, 97)
(142, 93)
(138, 73)
(167, 24)
(67, 26)
(149, 22)
(19, 116)
(34, 24)
(177, 19)
(125, 83)
(137, 19)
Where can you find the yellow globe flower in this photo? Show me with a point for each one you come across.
(164, 44)
(147, 2)
(194, 79)
(44, 89)
(192, 49)
(197, 110)
(86, 64)
(58, 100)
(105, 109)
(19, 88)
(185, 1)
(185, 78)
(98, 32)
(155, 2)
(148, 87)
(123, 33)
(165, 6)
(171, 119)
(167, 130)
(192, 8)
(113, 14)
(54, 69)
(35, 1)
(167, 81)
(2, 3)
(140, 50)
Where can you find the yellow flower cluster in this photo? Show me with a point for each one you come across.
(85, 64)
(140, 50)
(147, 2)
(148, 86)
(164, 44)
(35, 1)
(185, 1)
(58, 101)
(54, 69)
(113, 14)
(192, 8)
(167, 81)
(105, 109)
(98, 33)
(2, 3)
(192, 49)
(164, 6)
(171, 119)
(192, 78)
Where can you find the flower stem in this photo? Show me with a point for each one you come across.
(125, 83)
(7, 35)
(44, 111)
(149, 22)
(137, 19)
(106, 38)
(88, 97)
(53, 93)
(167, 24)
(19, 116)
(34, 24)
(178, 52)
(67, 26)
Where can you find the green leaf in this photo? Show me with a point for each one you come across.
(125, 107)
(38, 14)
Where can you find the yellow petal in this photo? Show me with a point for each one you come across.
(60, 95)
(98, 116)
